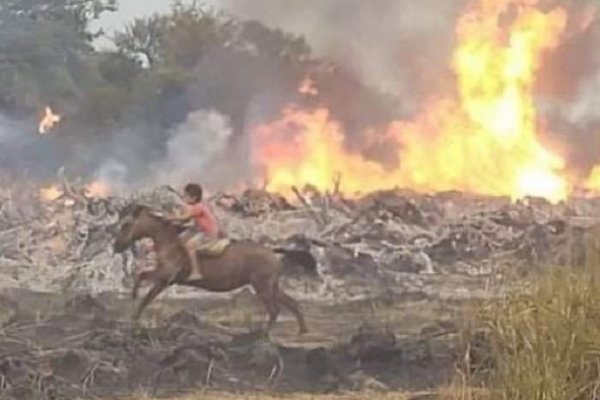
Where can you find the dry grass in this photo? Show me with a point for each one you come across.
(451, 392)
(459, 390)
(546, 345)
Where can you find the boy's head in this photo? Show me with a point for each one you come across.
(192, 193)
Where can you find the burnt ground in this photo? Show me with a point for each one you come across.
(63, 347)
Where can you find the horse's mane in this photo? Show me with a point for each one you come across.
(135, 209)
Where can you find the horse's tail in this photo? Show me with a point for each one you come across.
(302, 258)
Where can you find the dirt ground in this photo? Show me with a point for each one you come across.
(65, 347)
(264, 396)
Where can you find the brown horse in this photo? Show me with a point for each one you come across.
(241, 263)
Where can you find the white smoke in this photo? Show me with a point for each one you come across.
(5, 129)
(586, 107)
(24, 151)
(193, 148)
(114, 173)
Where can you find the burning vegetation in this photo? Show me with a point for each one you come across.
(486, 141)
(485, 136)
(48, 121)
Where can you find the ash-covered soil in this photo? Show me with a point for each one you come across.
(68, 347)
(394, 271)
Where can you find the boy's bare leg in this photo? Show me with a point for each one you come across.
(187, 239)
(191, 250)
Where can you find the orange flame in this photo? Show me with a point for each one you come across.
(50, 193)
(308, 149)
(307, 87)
(97, 189)
(484, 142)
(48, 121)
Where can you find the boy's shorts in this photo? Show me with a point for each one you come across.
(193, 238)
(196, 241)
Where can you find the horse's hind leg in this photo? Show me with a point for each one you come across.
(265, 293)
(292, 305)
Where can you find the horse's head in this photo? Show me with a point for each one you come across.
(135, 222)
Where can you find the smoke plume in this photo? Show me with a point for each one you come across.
(398, 46)
(193, 149)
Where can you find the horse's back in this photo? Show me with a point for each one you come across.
(241, 263)
(251, 255)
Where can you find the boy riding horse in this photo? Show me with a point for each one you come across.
(205, 230)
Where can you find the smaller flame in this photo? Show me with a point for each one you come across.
(97, 189)
(50, 193)
(307, 86)
(48, 121)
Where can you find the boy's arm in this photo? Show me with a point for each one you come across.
(182, 217)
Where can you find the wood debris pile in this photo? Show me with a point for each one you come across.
(66, 242)
(405, 232)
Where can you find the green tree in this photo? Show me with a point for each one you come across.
(178, 39)
(273, 43)
(34, 61)
(191, 32)
(76, 14)
(143, 39)
(44, 44)
(215, 60)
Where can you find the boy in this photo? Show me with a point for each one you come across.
(205, 222)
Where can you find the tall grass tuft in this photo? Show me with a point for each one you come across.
(545, 345)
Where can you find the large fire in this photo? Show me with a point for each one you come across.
(48, 120)
(486, 141)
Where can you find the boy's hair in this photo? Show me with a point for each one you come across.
(193, 190)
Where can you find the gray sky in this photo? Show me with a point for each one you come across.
(129, 9)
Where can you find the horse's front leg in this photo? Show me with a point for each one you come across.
(142, 276)
(151, 295)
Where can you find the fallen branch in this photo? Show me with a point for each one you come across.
(308, 207)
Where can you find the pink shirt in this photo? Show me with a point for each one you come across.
(205, 220)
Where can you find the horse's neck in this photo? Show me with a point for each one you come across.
(161, 232)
